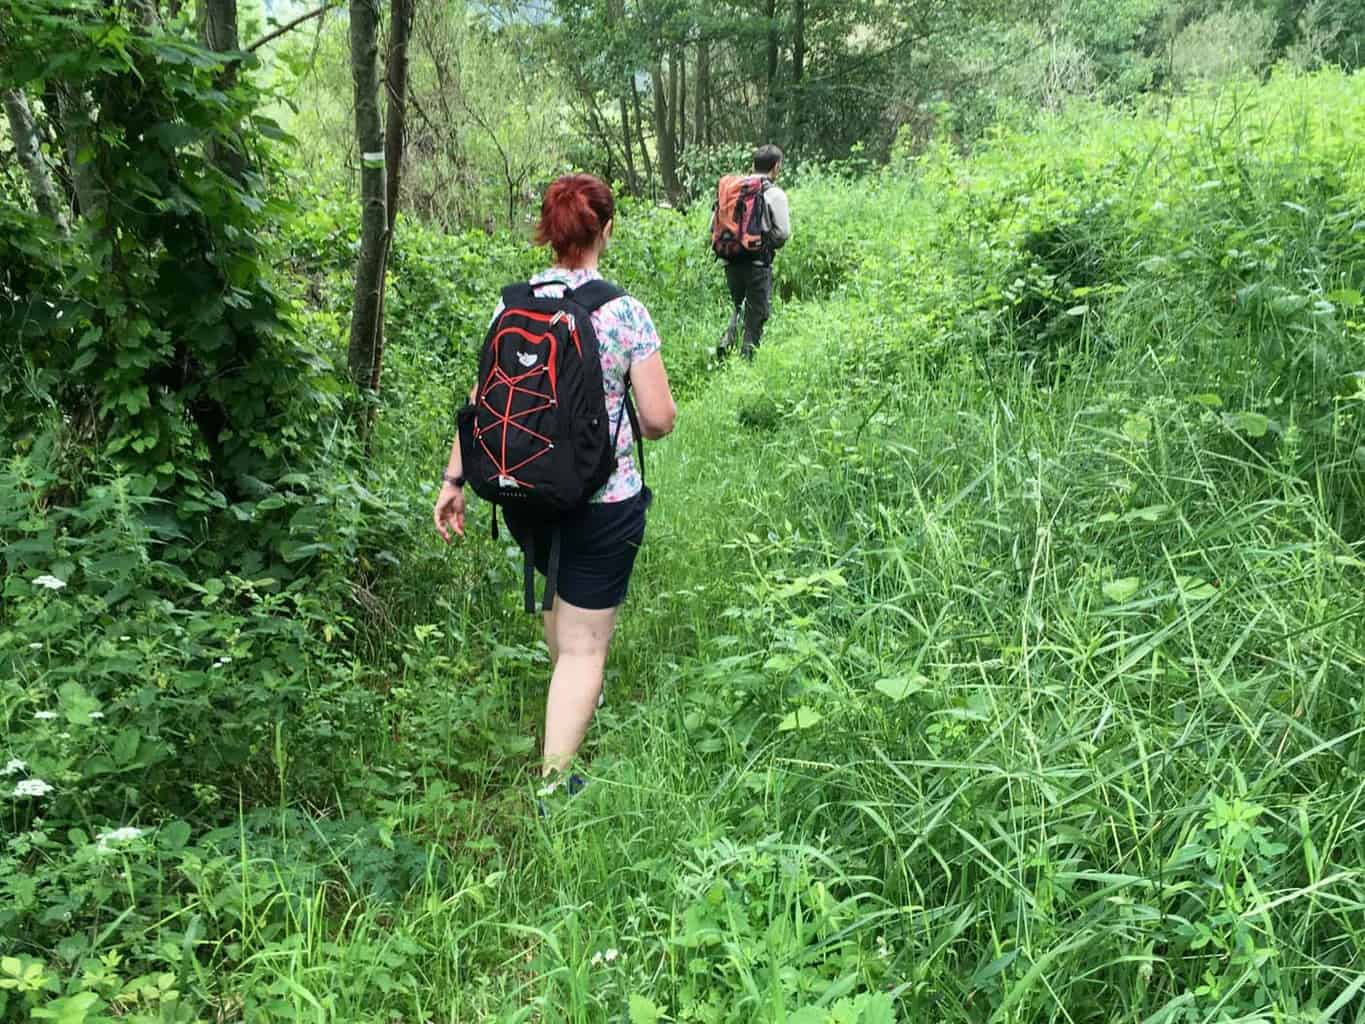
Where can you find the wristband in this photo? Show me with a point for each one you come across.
(457, 481)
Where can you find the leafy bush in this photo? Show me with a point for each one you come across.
(1227, 43)
(152, 343)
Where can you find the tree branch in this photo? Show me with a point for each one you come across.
(270, 37)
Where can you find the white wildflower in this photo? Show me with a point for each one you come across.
(14, 767)
(97, 714)
(610, 955)
(124, 639)
(597, 960)
(35, 646)
(118, 835)
(50, 582)
(44, 716)
(32, 787)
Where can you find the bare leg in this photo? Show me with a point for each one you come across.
(582, 637)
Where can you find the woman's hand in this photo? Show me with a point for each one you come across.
(449, 511)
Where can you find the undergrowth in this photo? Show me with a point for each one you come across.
(994, 654)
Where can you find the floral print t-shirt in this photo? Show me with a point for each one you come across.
(625, 335)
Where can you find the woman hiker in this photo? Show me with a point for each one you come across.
(599, 541)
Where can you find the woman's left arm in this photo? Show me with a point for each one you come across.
(449, 511)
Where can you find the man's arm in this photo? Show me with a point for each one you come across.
(781, 216)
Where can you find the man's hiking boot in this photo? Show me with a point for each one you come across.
(727, 340)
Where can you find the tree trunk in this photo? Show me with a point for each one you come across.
(395, 140)
(78, 134)
(396, 81)
(680, 99)
(53, 137)
(663, 132)
(771, 127)
(369, 136)
(795, 100)
(640, 131)
(702, 88)
(25, 135)
(218, 26)
(631, 179)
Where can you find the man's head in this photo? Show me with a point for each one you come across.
(767, 159)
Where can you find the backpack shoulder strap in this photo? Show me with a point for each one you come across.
(593, 295)
(635, 428)
(517, 294)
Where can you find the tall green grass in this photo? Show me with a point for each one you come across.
(994, 655)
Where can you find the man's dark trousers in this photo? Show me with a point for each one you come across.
(751, 286)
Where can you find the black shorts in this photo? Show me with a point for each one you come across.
(597, 548)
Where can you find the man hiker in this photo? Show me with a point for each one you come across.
(750, 223)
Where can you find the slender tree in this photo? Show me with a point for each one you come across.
(218, 24)
(771, 77)
(640, 131)
(664, 133)
(680, 99)
(395, 141)
(633, 180)
(701, 90)
(218, 28)
(76, 117)
(366, 309)
(26, 143)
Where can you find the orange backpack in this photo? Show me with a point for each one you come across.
(739, 229)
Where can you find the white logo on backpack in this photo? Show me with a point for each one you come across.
(527, 358)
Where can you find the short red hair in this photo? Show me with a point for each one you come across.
(574, 213)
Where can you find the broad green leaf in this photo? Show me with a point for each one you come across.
(879, 1010)
(1137, 429)
(1192, 588)
(1121, 590)
(125, 746)
(801, 718)
(1208, 399)
(174, 835)
(1149, 514)
(68, 1010)
(642, 1010)
(1252, 424)
(900, 687)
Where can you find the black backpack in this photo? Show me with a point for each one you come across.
(537, 435)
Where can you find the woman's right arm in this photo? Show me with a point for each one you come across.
(653, 397)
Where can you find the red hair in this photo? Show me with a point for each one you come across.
(574, 213)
